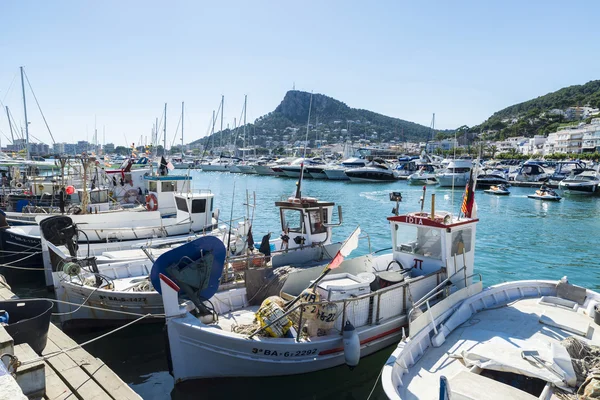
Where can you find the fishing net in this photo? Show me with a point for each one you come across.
(586, 363)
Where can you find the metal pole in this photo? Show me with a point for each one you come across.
(25, 112)
(182, 131)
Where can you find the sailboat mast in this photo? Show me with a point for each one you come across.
(12, 137)
(299, 184)
(182, 130)
(165, 132)
(221, 136)
(244, 151)
(25, 112)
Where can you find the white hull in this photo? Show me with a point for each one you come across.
(219, 168)
(247, 169)
(456, 180)
(318, 175)
(291, 173)
(226, 355)
(336, 174)
(263, 170)
(234, 169)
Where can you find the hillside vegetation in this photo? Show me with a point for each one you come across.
(533, 116)
(332, 116)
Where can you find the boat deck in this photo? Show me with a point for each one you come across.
(75, 374)
(239, 317)
(502, 332)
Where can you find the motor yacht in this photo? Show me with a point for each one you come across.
(375, 171)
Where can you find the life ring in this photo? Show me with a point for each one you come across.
(151, 202)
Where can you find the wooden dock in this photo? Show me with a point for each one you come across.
(75, 374)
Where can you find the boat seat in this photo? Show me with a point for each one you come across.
(559, 302)
(470, 386)
(559, 319)
(571, 292)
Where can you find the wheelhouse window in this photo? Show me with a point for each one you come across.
(318, 219)
(198, 206)
(152, 186)
(461, 240)
(181, 204)
(168, 186)
(423, 241)
(291, 220)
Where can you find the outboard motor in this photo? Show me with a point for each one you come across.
(60, 231)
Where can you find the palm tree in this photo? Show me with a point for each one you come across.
(492, 149)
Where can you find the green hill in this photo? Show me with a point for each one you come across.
(328, 118)
(533, 117)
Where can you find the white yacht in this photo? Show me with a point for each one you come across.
(426, 175)
(375, 171)
(585, 183)
(456, 174)
(337, 171)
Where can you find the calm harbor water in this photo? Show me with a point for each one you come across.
(517, 238)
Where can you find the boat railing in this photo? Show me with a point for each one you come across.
(379, 305)
(241, 263)
(442, 288)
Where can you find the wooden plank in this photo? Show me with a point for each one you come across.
(56, 389)
(77, 374)
(94, 367)
(73, 375)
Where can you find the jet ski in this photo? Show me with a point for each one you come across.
(546, 194)
(500, 190)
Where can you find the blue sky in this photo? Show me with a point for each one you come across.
(122, 60)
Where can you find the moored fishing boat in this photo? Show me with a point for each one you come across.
(525, 340)
(366, 300)
(124, 274)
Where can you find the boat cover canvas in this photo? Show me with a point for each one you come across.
(504, 354)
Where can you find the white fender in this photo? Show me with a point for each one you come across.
(351, 345)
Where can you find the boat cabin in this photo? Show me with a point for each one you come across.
(196, 207)
(304, 222)
(97, 200)
(424, 244)
(163, 187)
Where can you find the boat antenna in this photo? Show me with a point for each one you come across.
(299, 184)
(230, 220)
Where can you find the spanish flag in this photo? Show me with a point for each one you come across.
(469, 197)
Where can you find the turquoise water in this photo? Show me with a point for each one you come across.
(517, 238)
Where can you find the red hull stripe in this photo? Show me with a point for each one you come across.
(367, 340)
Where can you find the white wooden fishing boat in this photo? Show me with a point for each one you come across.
(515, 340)
(362, 307)
(124, 274)
(194, 214)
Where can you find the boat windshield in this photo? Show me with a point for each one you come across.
(291, 220)
(423, 241)
(460, 170)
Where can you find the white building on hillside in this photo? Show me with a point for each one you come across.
(591, 138)
(535, 145)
